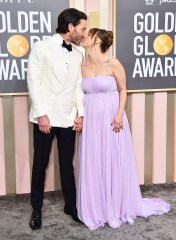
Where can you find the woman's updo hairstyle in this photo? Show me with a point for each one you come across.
(106, 38)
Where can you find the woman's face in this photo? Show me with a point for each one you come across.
(88, 41)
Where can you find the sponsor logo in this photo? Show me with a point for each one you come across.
(16, 1)
(159, 2)
(166, 1)
(149, 2)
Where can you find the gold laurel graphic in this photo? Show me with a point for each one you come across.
(17, 46)
(163, 44)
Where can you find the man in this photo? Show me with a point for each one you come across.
(54, 83)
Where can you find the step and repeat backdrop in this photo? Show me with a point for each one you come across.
(145, 40)
(144, 32)
(22, 22)
(146, 43)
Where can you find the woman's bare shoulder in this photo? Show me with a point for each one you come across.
(116, 64)
(115, 61)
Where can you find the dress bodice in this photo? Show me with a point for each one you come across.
(99, 84)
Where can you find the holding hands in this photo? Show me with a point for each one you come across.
(117, 123)
(78, 124)
(44, 124)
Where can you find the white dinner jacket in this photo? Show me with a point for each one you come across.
(55, 90)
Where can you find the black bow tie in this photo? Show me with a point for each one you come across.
(67, 46)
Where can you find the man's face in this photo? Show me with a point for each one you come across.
(78, 33)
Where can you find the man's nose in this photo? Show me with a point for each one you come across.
(84, 35)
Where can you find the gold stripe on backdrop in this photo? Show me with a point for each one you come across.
(31, 145)
(153, 90)
(114, 25)
(14, 94)
(30, 139)
(170, 138)
(94, 19)
(9, 144)
(94, 23)
(148, 137)
(128, 108)
(57, 183)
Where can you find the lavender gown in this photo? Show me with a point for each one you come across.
(107, 184)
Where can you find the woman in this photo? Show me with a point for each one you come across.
(107, 188)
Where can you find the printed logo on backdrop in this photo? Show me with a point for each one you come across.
(22, 22)
(159, 2)
(149, 2)
(146, 43)
(17, 1)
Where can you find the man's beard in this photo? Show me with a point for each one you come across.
(75, 38)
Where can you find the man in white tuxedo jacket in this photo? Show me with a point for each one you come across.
(54, 83)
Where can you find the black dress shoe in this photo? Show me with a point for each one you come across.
(70, 210)
(36, 219)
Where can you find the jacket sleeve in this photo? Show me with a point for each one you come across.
(79, 94)
(34, 78)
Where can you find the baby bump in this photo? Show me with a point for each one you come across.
(99, 84)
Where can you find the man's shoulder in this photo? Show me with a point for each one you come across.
(43, 42)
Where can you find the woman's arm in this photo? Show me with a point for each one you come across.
(119, 73)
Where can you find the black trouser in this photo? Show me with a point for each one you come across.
(42, 147)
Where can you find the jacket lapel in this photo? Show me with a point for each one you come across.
(74, 64)
(58, 62)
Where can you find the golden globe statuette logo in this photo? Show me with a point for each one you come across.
(163, 44)
(17, 46)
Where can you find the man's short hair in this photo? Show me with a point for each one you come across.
(70, 15)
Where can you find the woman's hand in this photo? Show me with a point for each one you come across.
(117, 123)
(78, 124)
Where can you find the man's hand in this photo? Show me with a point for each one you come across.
(78, 124)
(44, 124)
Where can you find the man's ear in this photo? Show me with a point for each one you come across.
(70, 27)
